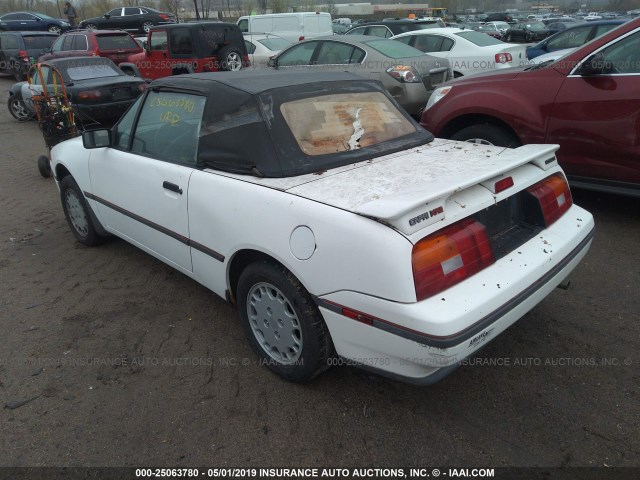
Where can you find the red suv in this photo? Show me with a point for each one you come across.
(116, 45)
(588, 102)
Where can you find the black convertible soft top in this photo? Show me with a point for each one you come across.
(244, 130)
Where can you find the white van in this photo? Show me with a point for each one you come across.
(291, 26)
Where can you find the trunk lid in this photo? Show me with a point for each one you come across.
(411, 184)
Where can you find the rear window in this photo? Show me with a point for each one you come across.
(348, 121)
(393, 49)
(116, 42)
(479, 39)
(426, 25)
(91, 71)
(39, 41)
(275, 43)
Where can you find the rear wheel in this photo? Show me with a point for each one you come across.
(231, 59)
(487, 134)
(282, 323)
(77, 213)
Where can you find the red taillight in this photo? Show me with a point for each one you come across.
(503, 57)
(449, 256)
(554, 196)
(24, 55)
(164, 17)
(502, 185)
(90, 95)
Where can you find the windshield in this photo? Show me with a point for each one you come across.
(343, 122)
(479, 39)
(393, 49)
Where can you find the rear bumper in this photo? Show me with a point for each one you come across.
(423, 342)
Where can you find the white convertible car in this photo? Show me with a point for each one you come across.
(340, 229)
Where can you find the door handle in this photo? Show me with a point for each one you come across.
(172, 186)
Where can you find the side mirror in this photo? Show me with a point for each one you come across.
(96, 138)
(107, 16)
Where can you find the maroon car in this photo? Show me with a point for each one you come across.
(116, 45)
(588, 102)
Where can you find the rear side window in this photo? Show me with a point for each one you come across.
(116, 42)
(79, 43)
(67, 43)
(180, 42)
(243, 25)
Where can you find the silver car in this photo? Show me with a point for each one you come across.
(407, 73)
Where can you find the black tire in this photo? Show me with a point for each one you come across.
(18, 109)
(230, 59)
(487, 134)
(54, 29)
(44, 167)
(90, 26)
(146, 26)
(78, 213)
(267, 292)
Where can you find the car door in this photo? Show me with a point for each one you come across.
(155, 64)
(141, 183)
(596, 115)
(115, 20)
(339, 56)
(132, 18)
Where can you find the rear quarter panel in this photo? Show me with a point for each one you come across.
(352, 252)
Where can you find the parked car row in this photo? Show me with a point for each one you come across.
(588, 102)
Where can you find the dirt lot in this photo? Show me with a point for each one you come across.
(134, 364)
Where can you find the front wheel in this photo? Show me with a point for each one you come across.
(282, 323)
(231, 59)
(487, 134)
(54, 29)
(18, 109)
(77, 213)
(91, 26)
(146, 26)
